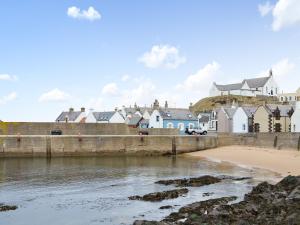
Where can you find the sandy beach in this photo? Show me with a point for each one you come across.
(284, 162)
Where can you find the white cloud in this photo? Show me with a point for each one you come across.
(10, 97)
(283, 68)
(8, 77)
(54, 95)
(201, 79)
(265, 8)
(96, 104)
(110, 89)
(162, 56)
(142, 94)
(125, 78)
(285, 13)
(89, 14)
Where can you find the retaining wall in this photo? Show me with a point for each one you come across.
(98, 145)
(270, 140)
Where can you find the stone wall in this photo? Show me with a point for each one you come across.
(270, 140)
(98, 145)
(24, 128)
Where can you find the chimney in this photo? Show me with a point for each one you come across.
(71, 109)
(82, 109)
(270, 73)
(166, 105)
(116, 109)
(156, 104)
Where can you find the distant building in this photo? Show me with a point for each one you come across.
(225, 117)
(72, 116)
(243, 119)
(273, 118)
(295, 119)
(134, 120)
(104, 117)
(290, 98)
(203, 121)
(265, 86)
(165, 117)
(212, 123)
(144, 112)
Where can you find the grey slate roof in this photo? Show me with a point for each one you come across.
(230, 112)
(72, 116)
(103, 116)
(229, 87)
(177, 114)
(249, 110)
(134, 120)
(257, 82)
(204, 119)
(252, 83)
(284, 109)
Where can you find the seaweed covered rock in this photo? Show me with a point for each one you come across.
(159, 196)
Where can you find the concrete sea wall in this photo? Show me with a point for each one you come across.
(45, 145)
(37, 128)
(270, 140)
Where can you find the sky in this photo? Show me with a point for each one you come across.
(102, 54)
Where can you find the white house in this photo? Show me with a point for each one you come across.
(72, 116)
(104, 117)
(203, 121)
(242, 120)
(265, 86)
(295, 119)
(290, 98)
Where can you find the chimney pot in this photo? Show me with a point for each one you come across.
(82, 109)
(71, 109)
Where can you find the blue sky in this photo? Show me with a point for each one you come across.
(107, 53)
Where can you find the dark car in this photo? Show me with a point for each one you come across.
(143, 132)
(56, 132)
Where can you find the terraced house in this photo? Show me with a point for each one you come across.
(72, 116)
(273, 118)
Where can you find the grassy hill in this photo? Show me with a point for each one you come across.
(207, 104)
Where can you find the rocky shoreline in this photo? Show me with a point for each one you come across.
(277, 204)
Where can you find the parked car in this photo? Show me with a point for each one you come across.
(195, 130)
(56, 132)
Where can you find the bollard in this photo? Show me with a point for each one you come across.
(79, 137)
(275, 141)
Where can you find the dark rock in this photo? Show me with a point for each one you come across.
(159, 196)
(166, 207)
(4, 208)
(206, 194)
(191, 182)
(144, 222)
(266, 204)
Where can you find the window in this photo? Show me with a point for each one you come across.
(157, 118)
(294, 127)
(290, 98)
(282, 99)
(191, 125)
(170, 125)
(244, 126)
(180, 126)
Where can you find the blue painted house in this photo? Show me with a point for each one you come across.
(173, 118)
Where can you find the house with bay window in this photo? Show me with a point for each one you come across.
(173, 118)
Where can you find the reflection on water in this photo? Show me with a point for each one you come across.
(81, 191)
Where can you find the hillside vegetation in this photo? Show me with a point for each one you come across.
(210, 103)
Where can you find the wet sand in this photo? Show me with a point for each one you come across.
(284, 162)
